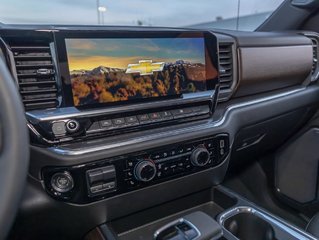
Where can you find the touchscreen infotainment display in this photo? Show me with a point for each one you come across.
(125, 69)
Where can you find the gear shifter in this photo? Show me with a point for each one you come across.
(197, 225)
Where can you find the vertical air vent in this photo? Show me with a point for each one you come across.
(315, 66)
(36, 75)
(225, 66)
(314, 37)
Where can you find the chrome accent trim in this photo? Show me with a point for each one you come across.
(59, 150)
(43, 139)
(57, 78)
(290, 229)
(37, 134)
(72, 112)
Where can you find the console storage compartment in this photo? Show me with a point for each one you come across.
(249, 226)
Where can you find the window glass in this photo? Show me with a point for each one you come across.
(225, 14)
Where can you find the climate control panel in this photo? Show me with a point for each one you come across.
(109, 177)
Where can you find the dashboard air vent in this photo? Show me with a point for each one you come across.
(315, 66)
(225, 66)
(36, 75)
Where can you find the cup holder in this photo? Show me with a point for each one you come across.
(247, 226)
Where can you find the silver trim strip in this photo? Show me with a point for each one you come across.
(290, 229)
(218, 123)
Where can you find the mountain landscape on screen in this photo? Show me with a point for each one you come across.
(141, 71)
(105, 84)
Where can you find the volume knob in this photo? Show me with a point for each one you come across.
(72, 126)
(200, 156)
(145, 171)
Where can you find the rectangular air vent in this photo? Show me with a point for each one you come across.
(36, 75)
(225, 66)
(315, 55)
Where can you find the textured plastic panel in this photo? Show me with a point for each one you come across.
(297, 168)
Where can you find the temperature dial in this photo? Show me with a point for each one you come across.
(200, 156)
(145, 171)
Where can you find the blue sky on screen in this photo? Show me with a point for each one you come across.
(89, 53)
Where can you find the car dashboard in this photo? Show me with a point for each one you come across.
(113, 140)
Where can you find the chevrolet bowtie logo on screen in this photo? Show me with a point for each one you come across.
(145, 67)
(127, 69)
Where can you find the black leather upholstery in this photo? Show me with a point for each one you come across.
(313, 226)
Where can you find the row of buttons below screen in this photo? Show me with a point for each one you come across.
(149, 118)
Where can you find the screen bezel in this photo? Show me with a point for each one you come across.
(211, 54)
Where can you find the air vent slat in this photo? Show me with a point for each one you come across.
(34, 66)
(225, 66)
(226, 56)
(221, 50)
(41, 105)
(30, 92)
(36, 75)
(225, 62)
(31, 49)
(33, 74)
(38, 98)
(33, 57)
(37, 83)
(226, 74)
(226, 79)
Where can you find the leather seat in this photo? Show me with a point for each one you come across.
(313, 226)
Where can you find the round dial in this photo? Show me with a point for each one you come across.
(145, 171)
(72, 126)
(200, 156)
(62, 182)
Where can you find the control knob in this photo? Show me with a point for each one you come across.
(200, 156)
(62, 182)
(72, 126)
(145, 171)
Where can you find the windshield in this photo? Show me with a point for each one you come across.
(225, 14)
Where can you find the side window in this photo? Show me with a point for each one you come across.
(223, 14)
